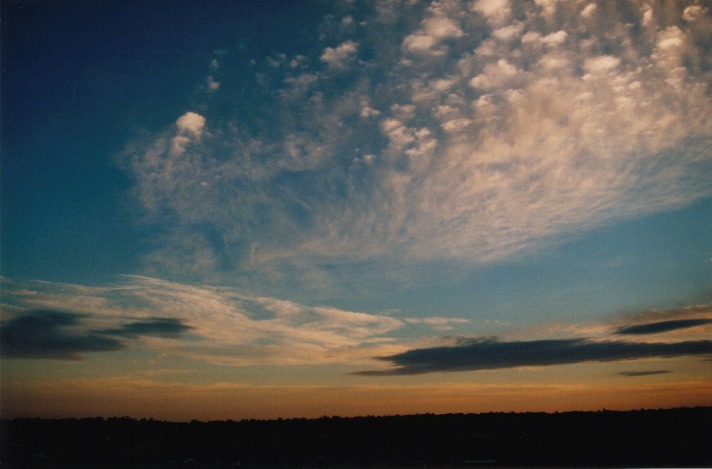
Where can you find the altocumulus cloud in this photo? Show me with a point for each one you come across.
(449, 130)
(490, 354)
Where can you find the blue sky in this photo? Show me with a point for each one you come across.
(303, 195)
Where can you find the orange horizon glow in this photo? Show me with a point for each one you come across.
(116, 397)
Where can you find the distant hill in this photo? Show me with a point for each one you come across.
(643, 438)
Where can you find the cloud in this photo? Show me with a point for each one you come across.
(438, 323)
(190, 127)
(491, 355)
(435, 28)
(63, 335)
(488, 135)
(644, 373)
(495, 75)
(51, 334)
(191, 123)
(496, 11)
(212, 84)
(158, 327)
(694, 13)
(340, 56)
(589, 10)
(662, 326)
(225, 325)
(229, 326)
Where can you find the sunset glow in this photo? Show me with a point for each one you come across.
(267, 209)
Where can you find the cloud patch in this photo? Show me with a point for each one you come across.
(632, 374)
(158, 327)
(51, 334)
(491, 129)
(191, 123)
(223, 325)
(341, 56)
(490, 354)
(661, 326)
(62, 335)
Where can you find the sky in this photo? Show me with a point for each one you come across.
(228, 210)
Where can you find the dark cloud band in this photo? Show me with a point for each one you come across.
(489, 355)
(662, 326)
(52, 334)
(44, 334)
(644, 373)
(158, 327)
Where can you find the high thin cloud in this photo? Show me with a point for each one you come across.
(470, 131)
(489, 355)
(224, 325)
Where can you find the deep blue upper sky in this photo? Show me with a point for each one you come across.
(367, 156)
(80, 80)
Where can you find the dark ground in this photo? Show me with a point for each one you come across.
(645, 438)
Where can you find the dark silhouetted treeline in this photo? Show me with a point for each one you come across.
(663, 438)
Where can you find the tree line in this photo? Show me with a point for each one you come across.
(649, 438)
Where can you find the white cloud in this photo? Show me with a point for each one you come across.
(340, 56)
(589, 10)
(436, 28)
(439, 323)
(601, 65)
(191, 123)
(419, 42)
(548, 7)
(495, 75)
(178, 144)
(509, 32)
(647, 11)
(457, 125)
(496, 11)
(693, 13)
(227, 326)
(478, 147)
(555, 39)
(441, 27)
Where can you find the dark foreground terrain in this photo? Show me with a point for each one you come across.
(662, 438)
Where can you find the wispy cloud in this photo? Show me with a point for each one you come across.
(207, 323)
(438, 322)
